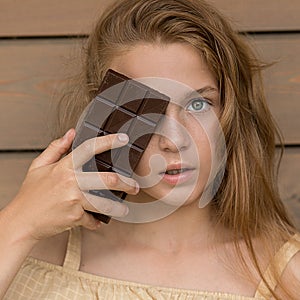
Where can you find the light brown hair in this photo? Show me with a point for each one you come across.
(247, 202)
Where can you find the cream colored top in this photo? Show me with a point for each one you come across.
(42, 280)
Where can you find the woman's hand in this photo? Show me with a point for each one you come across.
(50, 200)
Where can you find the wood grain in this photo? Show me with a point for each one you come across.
(282, 81)
(257, 15)
(48, 17)
(65, 17)
(14, 167)
(32, 71)
(289, 182)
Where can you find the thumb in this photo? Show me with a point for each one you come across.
(54, 151)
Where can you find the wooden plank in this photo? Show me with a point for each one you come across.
(32, 69)
(65, 17)
(257, 15)
(289, 187)
(282, 81)
(31, 72)
(48, 17)
(14, 167)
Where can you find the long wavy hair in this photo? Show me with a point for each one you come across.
(247, 202)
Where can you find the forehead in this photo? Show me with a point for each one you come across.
(177, 62)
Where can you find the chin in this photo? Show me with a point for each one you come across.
(177, 197)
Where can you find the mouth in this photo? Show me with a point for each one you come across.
(176, 171)
(176, 174)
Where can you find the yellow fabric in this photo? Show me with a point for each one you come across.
(42, 280)
(281, 259)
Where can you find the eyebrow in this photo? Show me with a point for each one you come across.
(203, 90)
(207, 89)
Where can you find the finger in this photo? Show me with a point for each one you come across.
(54, 151)
(104, 205)
(106, 180)
(89, 148)
(89, 222)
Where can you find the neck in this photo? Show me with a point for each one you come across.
(189, 226)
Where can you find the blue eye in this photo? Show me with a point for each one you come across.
(198, 105)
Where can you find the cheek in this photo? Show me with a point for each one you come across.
(203, 147)
(204, 155)
(212, 152)
(143, 167)
(204, 140)
(199, 133)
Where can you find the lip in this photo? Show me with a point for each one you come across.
(178, 178)
(175, 166)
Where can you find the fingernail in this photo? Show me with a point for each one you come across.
(137, 187)
(123, 137)
(65, 137)
(126, 210)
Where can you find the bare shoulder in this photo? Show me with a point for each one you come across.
(51, 249)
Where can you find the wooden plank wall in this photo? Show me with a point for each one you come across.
(38, 38)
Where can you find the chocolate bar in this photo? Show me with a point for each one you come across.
(121, 105)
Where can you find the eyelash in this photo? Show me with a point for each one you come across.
(203, 101)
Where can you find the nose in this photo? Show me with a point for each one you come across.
(173, 135)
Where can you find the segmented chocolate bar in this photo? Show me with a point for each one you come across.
(122, 105)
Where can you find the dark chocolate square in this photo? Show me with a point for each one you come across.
(132, 97)
(119, 118)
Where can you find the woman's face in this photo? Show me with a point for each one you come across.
(176, 164)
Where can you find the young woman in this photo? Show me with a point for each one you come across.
(241, 245)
